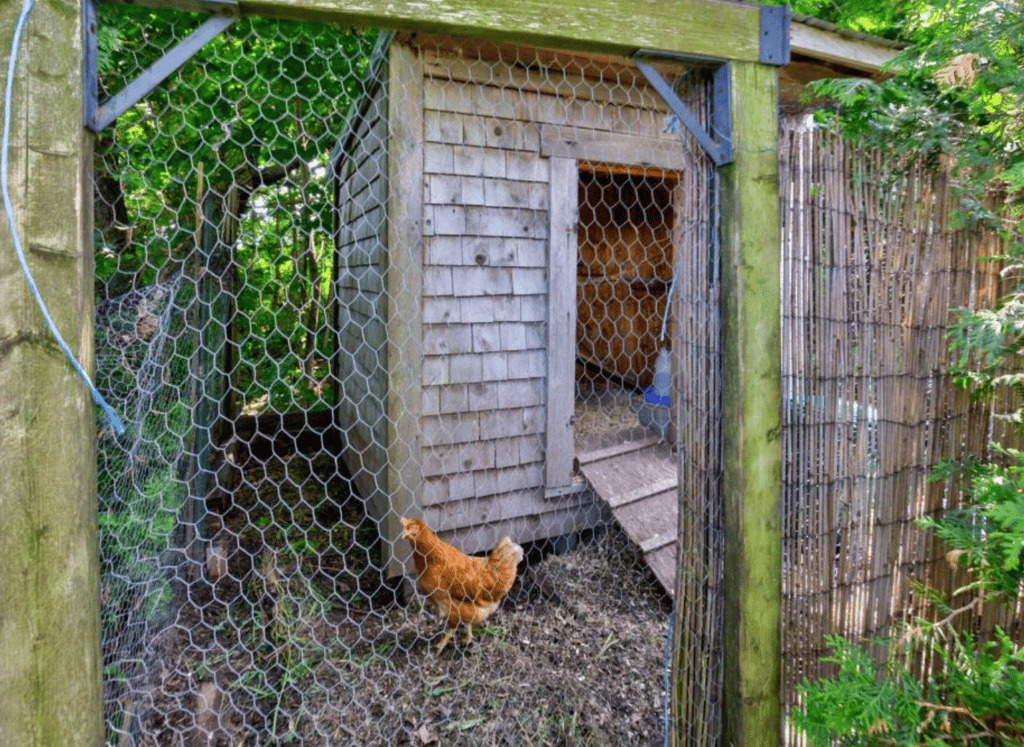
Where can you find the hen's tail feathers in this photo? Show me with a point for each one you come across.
(506, 548)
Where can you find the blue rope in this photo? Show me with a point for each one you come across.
(668, 667)
(26, 6)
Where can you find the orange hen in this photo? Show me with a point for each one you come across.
(461, 588)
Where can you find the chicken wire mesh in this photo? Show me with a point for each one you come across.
(326, 267)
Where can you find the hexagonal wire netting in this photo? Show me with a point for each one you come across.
(326, 270)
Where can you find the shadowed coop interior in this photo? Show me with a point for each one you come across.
(624, 276)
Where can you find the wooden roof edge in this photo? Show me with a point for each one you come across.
(825, 41)
(834, 44)
(810, 37)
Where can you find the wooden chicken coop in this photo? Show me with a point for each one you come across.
(522, 233)
(512, 222)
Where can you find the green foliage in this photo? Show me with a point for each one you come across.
(859, 704)
(975, 696)
(255, 113)
(866, 16)
(956, 92)
(987, 534)
(136, 541)
(988, 683)
(137, 530)
(987, 344)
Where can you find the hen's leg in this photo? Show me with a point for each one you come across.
(445, 639)
(468, 638)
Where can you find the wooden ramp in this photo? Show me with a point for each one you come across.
(639, 481)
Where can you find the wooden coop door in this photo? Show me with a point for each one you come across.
(611, 263)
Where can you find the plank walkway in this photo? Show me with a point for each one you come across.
(639, 481)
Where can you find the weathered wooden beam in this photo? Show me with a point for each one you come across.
(703, 28)
(404, 278)
(562, 253)
(822, 44)
(752, 415)
(49, 578)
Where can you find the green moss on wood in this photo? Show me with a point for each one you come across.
(752, 414)
(702, 27)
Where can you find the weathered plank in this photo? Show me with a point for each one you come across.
(439, 339)
(639, 482)
(701, 27)
(359, 284)
(518, 394)
(656, 515)
(659, 541)
(571, 142)
(561, 325)
(450, 428)
(617, 450)
(488, 105)
(405, 341)
(645, 491)
(860, 54)
(662, 560)
(633, 476)
(531, 363)
(502, 424)
(751, 414)
(50, 668)
(481, 309)
(465, 369)
(546, 78)
(525, 516)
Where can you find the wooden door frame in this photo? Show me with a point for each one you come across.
(566, 148)
(563, 214)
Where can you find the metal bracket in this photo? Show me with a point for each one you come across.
(98, 116)
(721, 110)
(774, 48)
(717, 145)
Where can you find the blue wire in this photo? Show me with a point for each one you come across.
(26, 7)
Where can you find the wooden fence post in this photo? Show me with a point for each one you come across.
(751, 417)
(49, 576)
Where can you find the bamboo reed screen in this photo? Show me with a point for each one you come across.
(870, 273)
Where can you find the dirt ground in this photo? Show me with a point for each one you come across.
(574, 657)
(302, 641)
(308, 647)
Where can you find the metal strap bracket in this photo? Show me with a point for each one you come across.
(98, 116)
(774, 46)
(717, 143)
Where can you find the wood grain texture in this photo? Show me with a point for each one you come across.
(561, 342)
(404, 273)
(706, 28)
(361, 295)
(751, 415)
(641, 487)
(50, 666)
(860, 54)
(644, 152)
